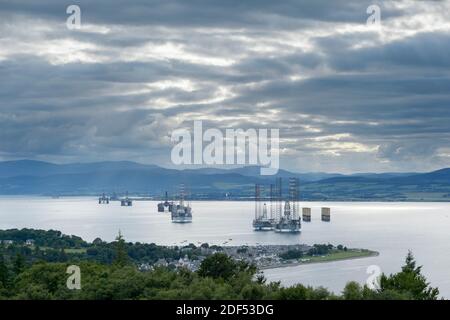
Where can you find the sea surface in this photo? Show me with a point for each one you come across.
(391, 228)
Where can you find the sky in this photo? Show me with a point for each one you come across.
(346, 96)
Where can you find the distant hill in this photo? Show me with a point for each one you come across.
(432, 186)
(42, 178)
(254, 171)
(436, 177)
(40, 168)
(384, 175)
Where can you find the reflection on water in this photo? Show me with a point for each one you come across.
(390, 228)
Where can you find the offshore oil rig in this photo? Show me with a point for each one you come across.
(280, 219)
(126, 202)
(165, 206)
(181, 213)
(289, 220)
(103, 199)
(262, 221)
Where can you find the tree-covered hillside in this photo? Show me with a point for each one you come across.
(27, 274)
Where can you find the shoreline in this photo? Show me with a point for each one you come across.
(95, 196)
(370, 253)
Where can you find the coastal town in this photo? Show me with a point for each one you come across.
(263, 256)
(53, 246)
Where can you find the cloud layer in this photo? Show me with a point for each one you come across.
(346, 97)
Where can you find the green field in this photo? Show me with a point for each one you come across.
(73, 250)
(334, 255)
(66, 250)
(341, 255)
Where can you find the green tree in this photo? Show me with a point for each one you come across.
(253, 291)
(218, 265)
(42, 281)
(352, 291)
(300, 292)
(19, 264)
(4, 272)
(121, 258)
(409, 282)
(62, 256)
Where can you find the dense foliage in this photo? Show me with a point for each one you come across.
(219, 277)
(50, 238)
(53, 246)
(115, 276)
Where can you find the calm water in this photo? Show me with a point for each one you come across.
(390, 228)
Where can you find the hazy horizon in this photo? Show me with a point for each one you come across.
(221, 167)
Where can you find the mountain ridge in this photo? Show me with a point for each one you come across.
(45, 178)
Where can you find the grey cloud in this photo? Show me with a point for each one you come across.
(215, 13)
(423, 51)
(390, 100)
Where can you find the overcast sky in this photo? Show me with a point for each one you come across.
(346, 97)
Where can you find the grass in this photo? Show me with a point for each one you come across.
(341, 255)
(73, 250)
(335, 255)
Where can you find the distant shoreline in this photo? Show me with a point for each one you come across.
(367, 254)
(262, 256)
(221, 199)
